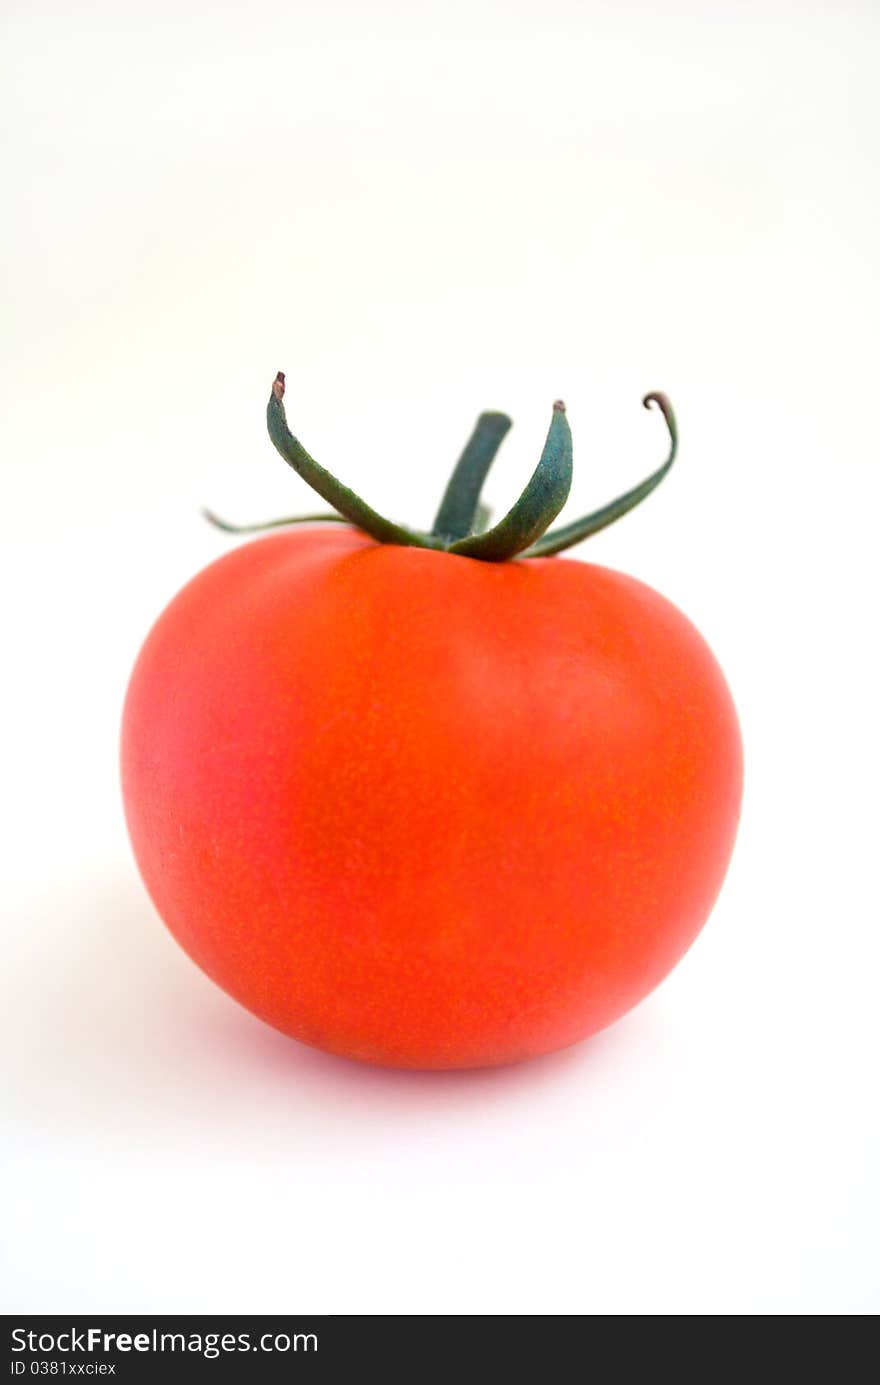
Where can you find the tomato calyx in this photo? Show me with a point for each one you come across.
(462, 525)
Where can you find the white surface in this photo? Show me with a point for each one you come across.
(420, 211)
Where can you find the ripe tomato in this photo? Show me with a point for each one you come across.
(424, 810)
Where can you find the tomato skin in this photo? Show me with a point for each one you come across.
(426, 811)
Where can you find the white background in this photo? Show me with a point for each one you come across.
(419, 211)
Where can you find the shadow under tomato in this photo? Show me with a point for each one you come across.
(126, 1036)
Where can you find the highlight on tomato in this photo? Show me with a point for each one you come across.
(431, 800)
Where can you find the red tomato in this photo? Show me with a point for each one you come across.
(423, 810)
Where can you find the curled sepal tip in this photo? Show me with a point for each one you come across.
(559, 539)
(539, 504)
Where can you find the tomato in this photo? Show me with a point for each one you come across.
(425, 810)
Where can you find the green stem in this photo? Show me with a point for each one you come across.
(334, 492)
(559, 539)
(539, 504)
(457, 516)
(461, 519)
